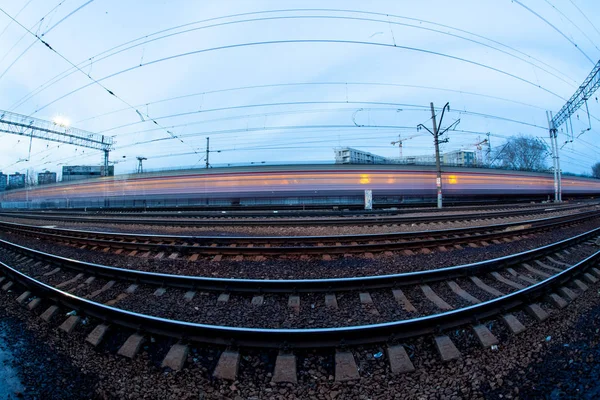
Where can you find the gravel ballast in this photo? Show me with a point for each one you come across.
(310, 268)
(553, 359)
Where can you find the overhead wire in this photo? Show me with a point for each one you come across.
(96, 58)
(310, 83)
(556, 29)
(573, 23)
(94, 81)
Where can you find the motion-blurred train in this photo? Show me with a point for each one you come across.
(299, 186)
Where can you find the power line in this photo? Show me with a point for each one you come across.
(313, 83)
(95, 58)
(555, 28)
(94, 81)
(572, 23)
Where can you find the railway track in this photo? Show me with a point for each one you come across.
(556, 279)
(217, 247)
(184, 220)
(284, 213)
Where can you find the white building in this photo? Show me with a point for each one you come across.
(348, 155)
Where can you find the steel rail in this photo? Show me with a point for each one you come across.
(404, 240)
(283, 222)
(297, 285)
(302, 338)
(227, 240)
(282, 213)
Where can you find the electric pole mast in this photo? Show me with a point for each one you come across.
(555, 159)
(436, 141)
(207, 151)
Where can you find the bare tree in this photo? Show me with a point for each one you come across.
(523, 153)
(596, 170)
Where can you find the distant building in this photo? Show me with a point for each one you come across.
(461, 158)
(458, 158)
(46, 177)
(348, 155)
(77, 172)
(16, 181)
(3, 182)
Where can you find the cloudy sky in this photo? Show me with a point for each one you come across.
(287, 81)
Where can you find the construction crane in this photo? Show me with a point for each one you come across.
(478, 146)
(400, 141)
(140, 168)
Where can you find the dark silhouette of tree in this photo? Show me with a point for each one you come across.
(596, 170)
(523, 153)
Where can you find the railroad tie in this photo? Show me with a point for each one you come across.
(535, 271)
(399, 360)
(483, 286)
(485, 336)
(367, 302)
(590, 278)
(176, 357)
(513, 324)
(188, 296)
(70, 281)
(506, 281)
(285, 369)
(7, 285)
(446, 348)
(564, 264)
(70, 323)
(294, 303)
(331, 301)
(227, 366)
(159, 292)
(33, 304)
(556, 300)
(462, 293)
(96, 336)
(537, 312)
(434, 298)
(403, 301)
(49, 313)
(528, 279)
(548, 267)
(223, 298)
(103, 289)
(24, 296)
(582, 286)
(567, 293)
(54, 271)
(345, 367)
(258, 300)
(132, 346)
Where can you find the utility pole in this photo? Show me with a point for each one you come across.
(436, 141)
(555, 160)
(207, 151)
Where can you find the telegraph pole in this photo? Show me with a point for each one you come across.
(207, 151)
(436, 141)
(438, 167)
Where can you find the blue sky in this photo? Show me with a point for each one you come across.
(498, 64)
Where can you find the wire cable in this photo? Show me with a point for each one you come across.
(556, 29)
(96, 58)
